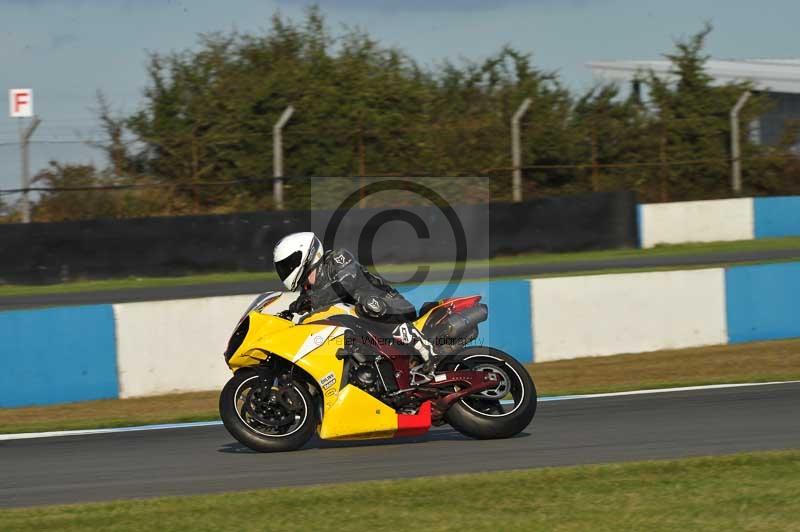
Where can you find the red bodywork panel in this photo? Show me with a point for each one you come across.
(457, 304)
(461, 303)
(417, 424)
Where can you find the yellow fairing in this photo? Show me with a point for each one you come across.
(333, 310)
(420, 322)
(358, 415)
(312, 347)
(349, 413)
(250, 352)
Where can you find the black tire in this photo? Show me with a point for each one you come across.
(496, 421)
(234, 419)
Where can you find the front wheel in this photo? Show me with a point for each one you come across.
(499, 412)
(270, 417)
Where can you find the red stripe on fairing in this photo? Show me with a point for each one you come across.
(462, 303)
(417, 424)
(457, 304)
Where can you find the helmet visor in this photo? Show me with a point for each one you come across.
(286, 266)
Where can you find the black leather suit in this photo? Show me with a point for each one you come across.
(341, 279)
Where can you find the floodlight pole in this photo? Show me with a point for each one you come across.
(277, 157)
(736, 161)
(516, 157)
(24, 138)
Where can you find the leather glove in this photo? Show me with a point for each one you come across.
(302, 304)
(286, 314)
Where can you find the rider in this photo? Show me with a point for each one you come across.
(328, 277)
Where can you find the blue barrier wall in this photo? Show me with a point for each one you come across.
(762, 302)
(776, 217)
(509, 325)
(57, 355)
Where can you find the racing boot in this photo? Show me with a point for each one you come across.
(408, 334)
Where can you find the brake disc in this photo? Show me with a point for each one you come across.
(503, 383)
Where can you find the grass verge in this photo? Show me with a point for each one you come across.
(721, 364)
(133, 282)
(106, 413)
(754, 362)
(522, 259)
(754, 491)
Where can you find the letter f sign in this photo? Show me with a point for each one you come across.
(20, 103)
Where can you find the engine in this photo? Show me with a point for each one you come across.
(372, 373)
(449, 331)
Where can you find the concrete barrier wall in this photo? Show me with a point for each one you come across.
(696, 221)
(57, 355)
(763, 302)
(80, 353)
(149, 348)
(718, 220)
(627, 313)
(777, 217)
(177, 346)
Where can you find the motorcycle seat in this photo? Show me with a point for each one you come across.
(426, 307)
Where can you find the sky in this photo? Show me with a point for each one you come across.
(66, 50)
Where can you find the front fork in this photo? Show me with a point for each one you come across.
(276, 392)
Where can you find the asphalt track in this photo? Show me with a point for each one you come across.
(579, 431)
(517, 270)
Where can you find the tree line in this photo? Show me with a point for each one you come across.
(201, 141)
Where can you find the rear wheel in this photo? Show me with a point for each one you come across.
(267, 417)
(499, 412)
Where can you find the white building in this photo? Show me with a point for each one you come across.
(779, 79)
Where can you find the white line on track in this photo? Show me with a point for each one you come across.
(59, 433)
(662, 390)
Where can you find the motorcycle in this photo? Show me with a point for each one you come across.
(349, 378)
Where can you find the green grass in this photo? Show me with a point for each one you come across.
(528, 258)
(704, 248)
(132, 282)
(750, 379)
(697, 249)
(721, 364)
(753, 491)
(643, 269)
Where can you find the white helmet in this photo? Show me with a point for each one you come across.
(294, 256)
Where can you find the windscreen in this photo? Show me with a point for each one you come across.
(258, 303)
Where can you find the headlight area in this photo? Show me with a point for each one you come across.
(252, 358)
(237, 338)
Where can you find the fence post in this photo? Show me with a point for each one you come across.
(277, 157)
(663, 164)
(736, 160)
(516, 157)
(595, 170)
(24, 138)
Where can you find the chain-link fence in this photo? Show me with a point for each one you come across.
(660, 159)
